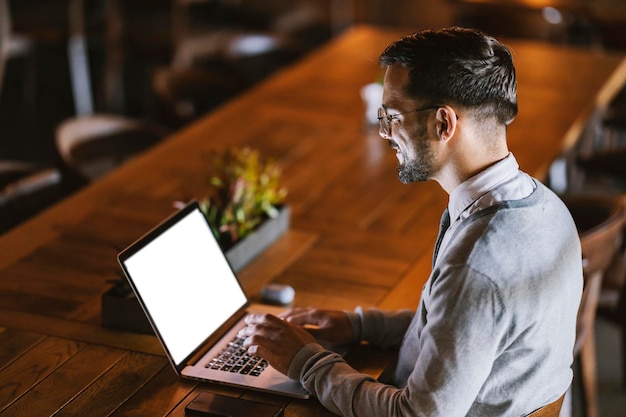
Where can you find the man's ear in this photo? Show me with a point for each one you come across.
(446, 122)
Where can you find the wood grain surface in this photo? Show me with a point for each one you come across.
(358, 236)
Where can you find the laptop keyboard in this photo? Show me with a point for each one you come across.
(235, 358)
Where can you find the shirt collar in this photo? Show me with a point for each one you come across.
(475, 187)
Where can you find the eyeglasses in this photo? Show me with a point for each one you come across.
(385, 119)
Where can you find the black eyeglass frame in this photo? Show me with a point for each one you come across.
(386, 124)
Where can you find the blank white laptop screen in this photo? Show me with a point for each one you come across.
(186, 284)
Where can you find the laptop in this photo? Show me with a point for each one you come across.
(196, 304)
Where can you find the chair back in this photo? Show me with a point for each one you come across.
(599, 221)
(11, 171)
(91, 146)
(11, 44)
(551, 410)
(5, 33)
(183, 94)
(614, 280)
(28, 196)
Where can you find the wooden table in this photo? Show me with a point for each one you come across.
(358, 236)
(598, 11)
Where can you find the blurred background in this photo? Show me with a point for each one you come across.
(170, 61)
(75, 70)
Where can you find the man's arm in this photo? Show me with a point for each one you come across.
(449, 359)
(379, 327)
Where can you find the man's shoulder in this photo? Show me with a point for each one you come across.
(523, 234)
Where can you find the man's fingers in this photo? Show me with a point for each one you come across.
(263, 318)
(302, 316)
(277, 352)
(257, 340)
(259, 329)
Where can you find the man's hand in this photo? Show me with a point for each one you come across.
(330, 326)
(274, 339)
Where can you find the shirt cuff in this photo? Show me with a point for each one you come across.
(356, 320)
(299, 361)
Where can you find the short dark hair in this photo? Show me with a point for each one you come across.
(458, 65)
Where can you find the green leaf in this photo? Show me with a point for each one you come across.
(243, 189)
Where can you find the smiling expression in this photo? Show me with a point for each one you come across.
(409, 133)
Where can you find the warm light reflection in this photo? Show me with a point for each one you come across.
(552, 15)
(535, 3)
(254, 44)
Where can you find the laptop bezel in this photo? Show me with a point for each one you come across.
(144, 240)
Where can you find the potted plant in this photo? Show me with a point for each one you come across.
(244, 206)
(245, 203)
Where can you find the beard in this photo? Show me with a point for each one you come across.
(419, 167)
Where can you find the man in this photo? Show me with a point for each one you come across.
(494, 331)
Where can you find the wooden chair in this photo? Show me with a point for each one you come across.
(551, 410)
(608, 163)
(598, 162)
(612, 300)
(11, 171)
(183, 94)
(227, 48)
(29, 195)
(211, 68)
(309, 23)
(13, 45)
(599, 221)
(91, 146)
(249, 56)
(573, 25)
(604, 168)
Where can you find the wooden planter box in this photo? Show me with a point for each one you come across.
(124, 312)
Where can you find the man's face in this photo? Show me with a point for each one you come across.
(408, 133)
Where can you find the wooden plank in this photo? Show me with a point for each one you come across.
(407, 292)
(26, 279)
(335, 301)
(273, 261)
(160, 395)
(358, 236)
(21, 237)
(34, 366)
(80, 331)
(38, 304)
(366, 269)
(352, 268)
(115, 386)
(65, 382)
(312, 284)
(13, 344)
